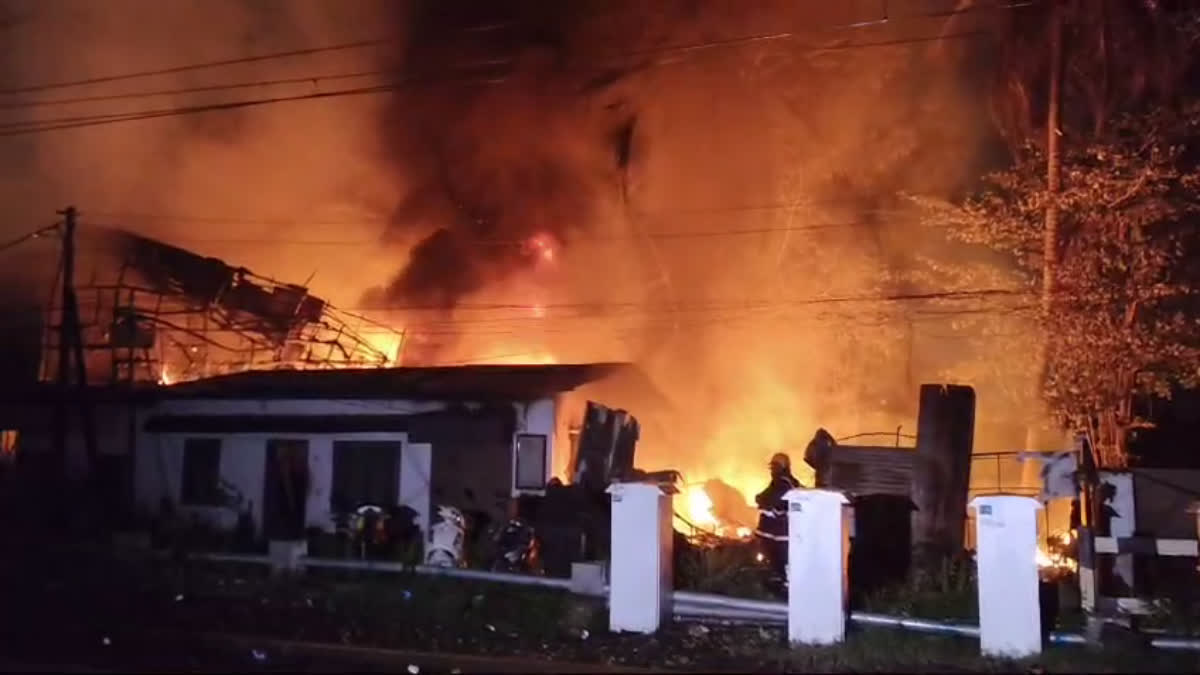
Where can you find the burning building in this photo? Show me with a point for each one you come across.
(156, 313)
(577, 185)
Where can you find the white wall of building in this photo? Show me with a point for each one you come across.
(158, 473)
(158, 465)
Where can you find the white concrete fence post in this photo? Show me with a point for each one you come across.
(818, 546)
(641, 574)
(1194, 509)
(1010, 617)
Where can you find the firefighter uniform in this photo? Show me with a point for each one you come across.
(772, 531)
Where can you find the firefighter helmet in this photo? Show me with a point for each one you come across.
(781, 460)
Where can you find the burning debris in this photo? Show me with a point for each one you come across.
(170, 315)
(1060, 556)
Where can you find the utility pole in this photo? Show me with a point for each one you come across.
(70, 348)
(1053, 184)
(62, 376)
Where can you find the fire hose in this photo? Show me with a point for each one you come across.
(690, 605)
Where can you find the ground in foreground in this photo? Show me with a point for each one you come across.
(67, 606)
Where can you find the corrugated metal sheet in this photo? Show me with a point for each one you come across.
(865, 470)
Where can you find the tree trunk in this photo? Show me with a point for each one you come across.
(1053, 176)
(1112, 441)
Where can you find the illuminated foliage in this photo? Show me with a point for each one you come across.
(1125, 318)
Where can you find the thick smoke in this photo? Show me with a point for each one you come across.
(245, 184)
(809, 147)
(695, 201)
(512, 150)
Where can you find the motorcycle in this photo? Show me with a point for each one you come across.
(363, 530)
(516, 548)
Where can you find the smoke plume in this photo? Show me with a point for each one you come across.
(568, 181)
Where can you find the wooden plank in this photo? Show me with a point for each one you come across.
(1147, 546)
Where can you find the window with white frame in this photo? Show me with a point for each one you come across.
(531, 462)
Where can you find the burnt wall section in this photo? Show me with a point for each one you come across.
(472, 461)
(945, 437)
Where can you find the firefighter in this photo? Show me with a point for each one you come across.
(772, 529)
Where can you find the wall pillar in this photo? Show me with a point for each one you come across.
(642, 549)
(1010, 617)
(818, 546)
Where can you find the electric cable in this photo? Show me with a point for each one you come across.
(366, 43)
(172, 70)
(29, 236)
(41, 126)
(580, 238)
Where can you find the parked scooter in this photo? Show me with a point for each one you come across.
(447, 537)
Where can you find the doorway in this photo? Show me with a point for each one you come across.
(285, 489)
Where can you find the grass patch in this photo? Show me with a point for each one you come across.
(947, 592)
(880, 650)
(722, 567)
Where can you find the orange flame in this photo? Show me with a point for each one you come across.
(700, 508)
(700, 516)
(1058, 561)
(387, 344)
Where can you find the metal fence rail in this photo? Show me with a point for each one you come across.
(687, 604)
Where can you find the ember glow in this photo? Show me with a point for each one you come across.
(509, 356)
(388, 344)
(701, 516)
(1057, 560)
(700, 508)
(542, 248)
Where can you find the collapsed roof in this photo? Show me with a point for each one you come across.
(163, 313)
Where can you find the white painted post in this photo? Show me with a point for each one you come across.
(1194, 509)
(1010, 617)
(642, 548)
(818, 531)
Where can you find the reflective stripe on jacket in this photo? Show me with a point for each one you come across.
(772, 514)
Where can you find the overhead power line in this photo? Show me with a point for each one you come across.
(177, 91)
(171, 70)
(40, 126)
(29, 236)
(650, 212)
(97, 120)
(573, 239)
(885, 18)
(731, 304)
